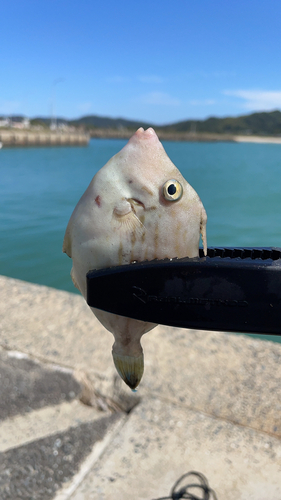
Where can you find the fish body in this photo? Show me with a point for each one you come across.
(137, 207)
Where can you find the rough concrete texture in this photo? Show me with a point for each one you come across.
(38, 469)
(38, 424)
(225, 375)
(228, 376)
(208, 401)
(27, 385)
(162, 441)
(57, 327)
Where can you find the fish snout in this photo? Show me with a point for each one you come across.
(144, 135)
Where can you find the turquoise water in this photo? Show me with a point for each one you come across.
(239, 184)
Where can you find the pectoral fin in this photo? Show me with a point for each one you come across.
(74, 280)
(66, 247)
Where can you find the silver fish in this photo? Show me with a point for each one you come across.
(137, 207)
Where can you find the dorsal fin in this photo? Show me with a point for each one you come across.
(66, 247)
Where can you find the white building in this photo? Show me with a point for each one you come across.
(20, 123)
(5, 122)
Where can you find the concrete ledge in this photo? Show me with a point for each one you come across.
(23, 429)
(208, 401)
(233, 377)
(16, 138)
(163, 441)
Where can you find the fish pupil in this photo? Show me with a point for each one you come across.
(172, 189)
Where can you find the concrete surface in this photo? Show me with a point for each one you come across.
(162, 441)
(27, 385)
(23, 138)
(208, 401)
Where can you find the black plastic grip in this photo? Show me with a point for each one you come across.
(232, 289)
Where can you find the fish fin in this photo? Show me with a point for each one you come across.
(130, 222)
(203, 222)
(74, 280)
(66, 247)
(129, 368)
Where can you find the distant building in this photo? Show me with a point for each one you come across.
(5, 122)
(20, 122)
(62, 127)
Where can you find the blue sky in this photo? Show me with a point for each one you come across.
(158, 61)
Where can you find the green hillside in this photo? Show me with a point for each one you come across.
(265, 123)
(256, 123)
(105, 122)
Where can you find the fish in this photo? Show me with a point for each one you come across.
(137, 207)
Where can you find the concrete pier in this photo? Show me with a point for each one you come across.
(21, 138)
(71, 430)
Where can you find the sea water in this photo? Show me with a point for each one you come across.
(239, 184)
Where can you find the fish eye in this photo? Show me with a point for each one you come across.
(172, 190)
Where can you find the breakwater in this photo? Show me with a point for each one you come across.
(123, 133)
(164, 135)
(20, 138)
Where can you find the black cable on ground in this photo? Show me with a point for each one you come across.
(201, 486)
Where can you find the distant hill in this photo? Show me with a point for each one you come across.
(256, 123)
(93, 121)
(265, 123)
(40, 120)
(105, 122)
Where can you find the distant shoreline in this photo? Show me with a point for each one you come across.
(258, 139)
(35, 138)
(186, 136)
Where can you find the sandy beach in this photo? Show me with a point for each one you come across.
(260, 140)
